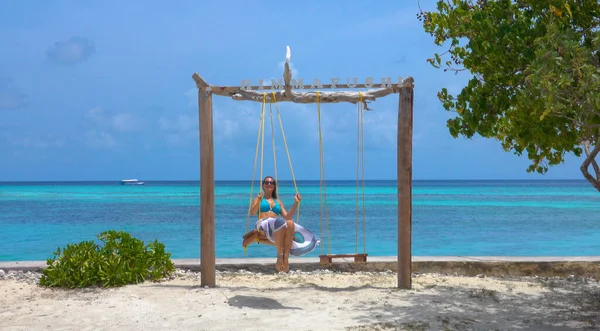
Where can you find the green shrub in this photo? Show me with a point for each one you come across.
(121, 260)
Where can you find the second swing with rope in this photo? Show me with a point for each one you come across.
(304, 241)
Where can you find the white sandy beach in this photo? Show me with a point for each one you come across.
(320, 300)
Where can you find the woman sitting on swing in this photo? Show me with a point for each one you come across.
(275, 221)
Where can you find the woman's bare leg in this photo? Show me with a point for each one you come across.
(279, 243)
(289, 237)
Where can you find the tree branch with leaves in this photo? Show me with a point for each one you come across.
(536, 75)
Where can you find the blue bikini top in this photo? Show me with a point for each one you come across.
(265, 207)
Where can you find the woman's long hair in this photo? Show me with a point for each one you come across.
(274, 194)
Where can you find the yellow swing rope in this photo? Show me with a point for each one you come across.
(260, 130)
(262, 152)
(273, 144)
(287, 152)
(322, 182)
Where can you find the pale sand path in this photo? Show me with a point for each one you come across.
(318, 301)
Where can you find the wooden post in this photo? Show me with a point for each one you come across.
(207, 188)
(405, 133)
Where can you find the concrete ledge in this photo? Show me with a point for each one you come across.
(493, 266)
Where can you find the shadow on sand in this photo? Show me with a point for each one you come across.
(256, 302)
(457, 308)
(562, 306)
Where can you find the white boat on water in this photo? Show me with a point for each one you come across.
(131, 182)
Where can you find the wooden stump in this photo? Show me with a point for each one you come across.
(328, 258)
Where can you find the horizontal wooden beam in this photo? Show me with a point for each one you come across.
(284, 91)
(269, 87)
(224, 90)
(239, 94)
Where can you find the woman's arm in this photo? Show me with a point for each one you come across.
(288, 214)
(255, 204)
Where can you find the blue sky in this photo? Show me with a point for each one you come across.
(102, 90)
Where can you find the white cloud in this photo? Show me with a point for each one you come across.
(31, 140)
(101, 139)
(10, 96)
(402, 18)
(381, 127)
(120, 122)
(124, 122)
(180, 130)
(12, 99)
(106, 126)
(391, 21)
(182, 122)
(192, 96)
(71, 51)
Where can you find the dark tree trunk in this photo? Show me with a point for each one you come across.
(591, 160)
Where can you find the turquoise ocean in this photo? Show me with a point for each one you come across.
(473, 218)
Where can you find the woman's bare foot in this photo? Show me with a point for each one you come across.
(279, 264)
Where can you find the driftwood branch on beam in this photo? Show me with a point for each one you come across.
(260, 93)
(311, 97)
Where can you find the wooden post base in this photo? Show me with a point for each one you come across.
(328, 258)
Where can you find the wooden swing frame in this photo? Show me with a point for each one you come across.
(405, 88)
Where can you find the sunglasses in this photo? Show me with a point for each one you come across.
(268, 182)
